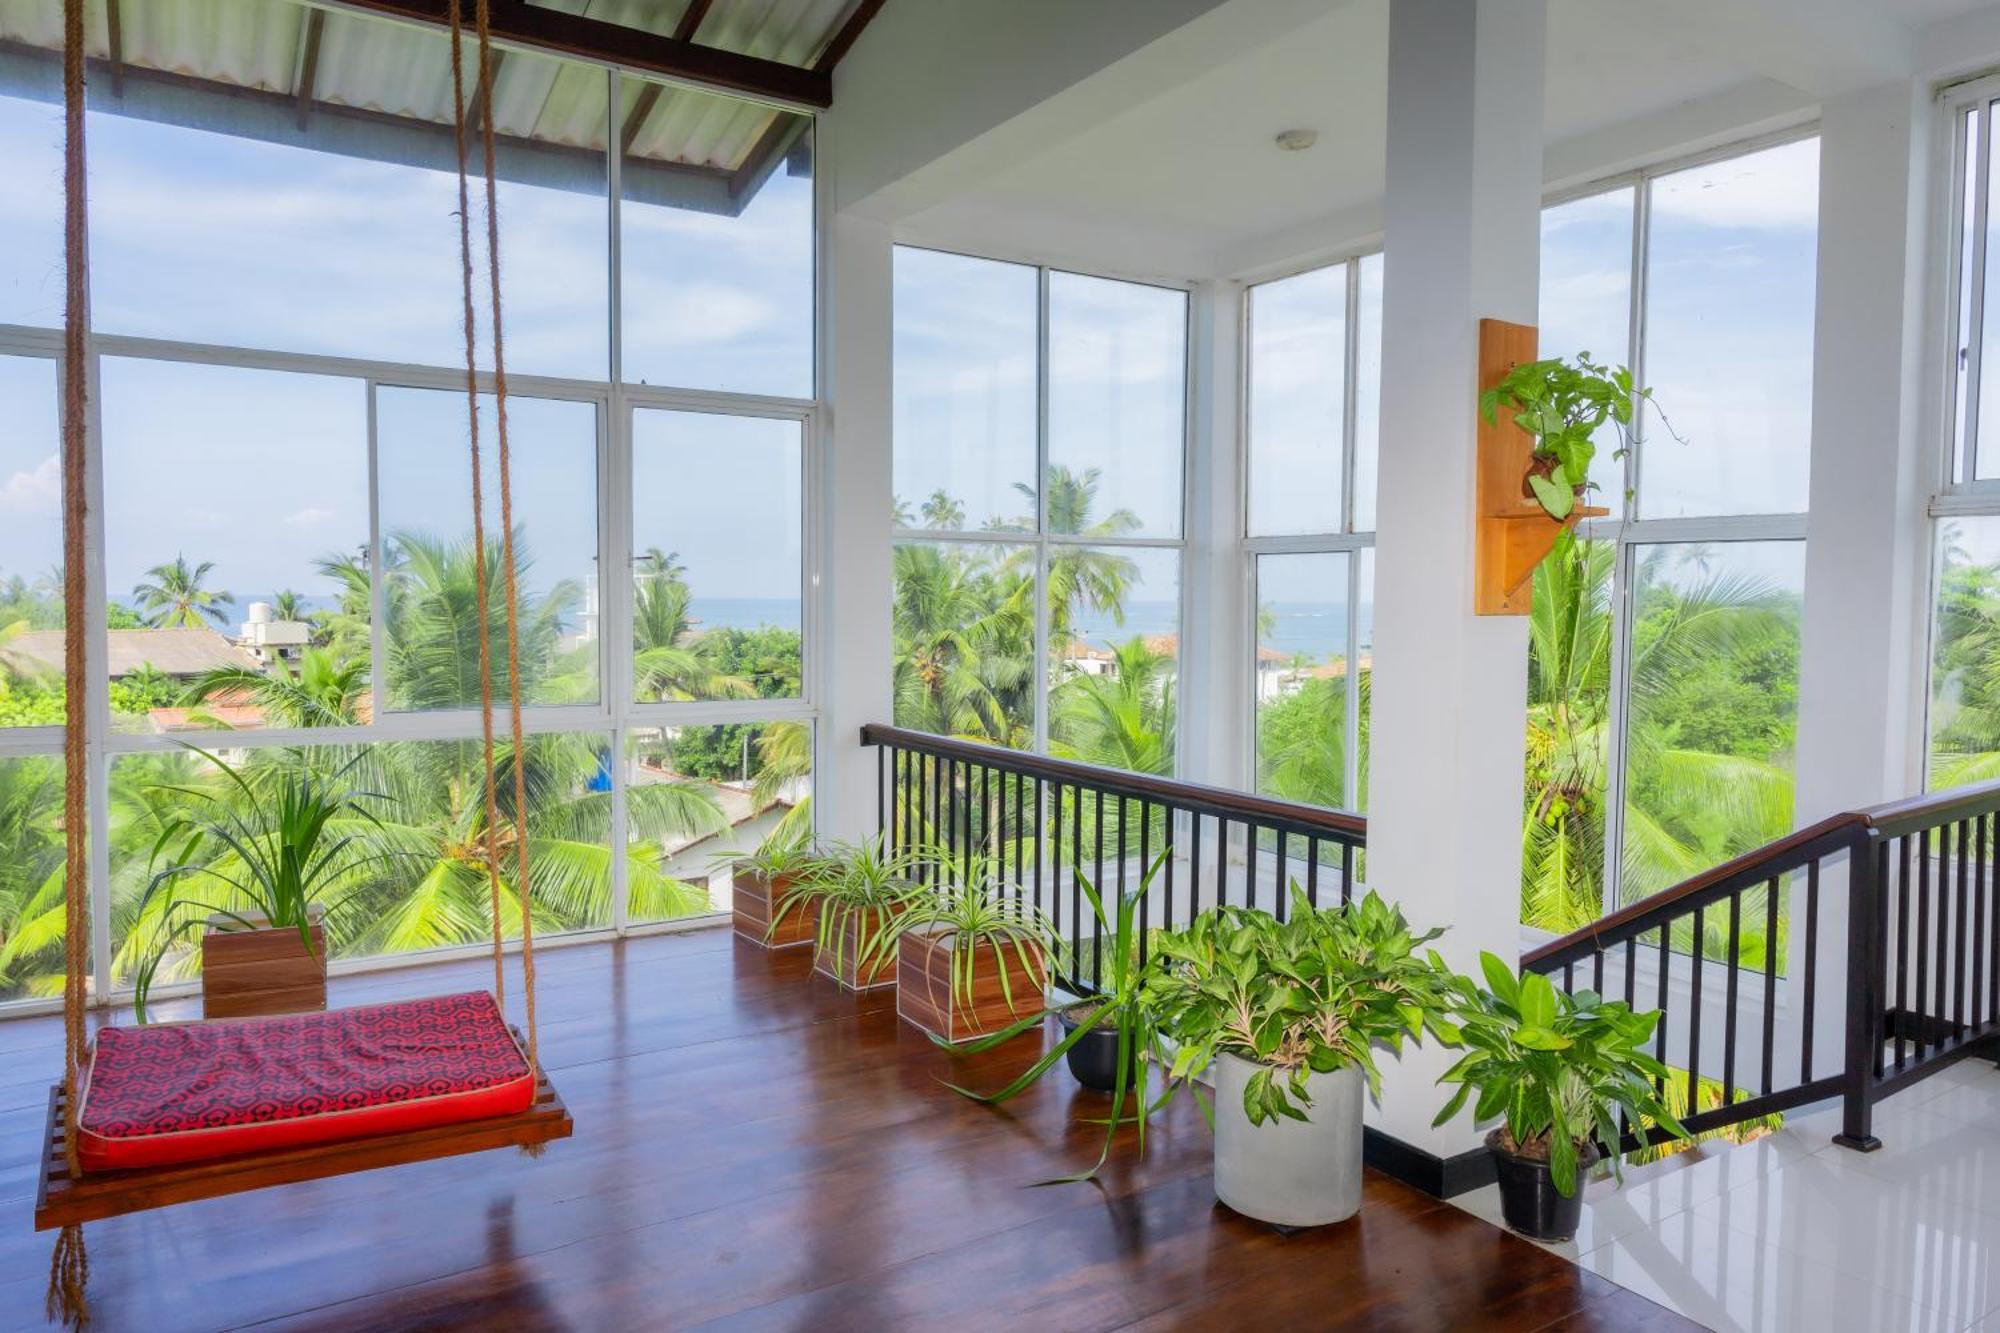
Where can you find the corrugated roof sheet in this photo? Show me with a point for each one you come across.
(177, 652)
(403, 71)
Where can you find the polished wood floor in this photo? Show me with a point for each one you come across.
(758, 1150)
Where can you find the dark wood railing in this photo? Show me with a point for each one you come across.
(1898, 905)
(1040, 822)
(1917, 948)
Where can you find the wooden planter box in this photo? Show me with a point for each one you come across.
(926, 997)
(756, 900)
(882, 974)
(250, 973)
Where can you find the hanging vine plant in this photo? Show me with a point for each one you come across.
(1562, 403)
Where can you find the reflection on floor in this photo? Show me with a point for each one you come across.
(1791, 1232)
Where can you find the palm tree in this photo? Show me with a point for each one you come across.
(173, 596)
(31, 876)
(326, 691)
(1080, 576)
(671, 660)
(944, 513)
(346, 629)
(1122, 719)
(964, 637)
(288, 605)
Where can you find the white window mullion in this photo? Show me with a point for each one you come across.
(1975, 336)
(97, 684)
(1042, 646)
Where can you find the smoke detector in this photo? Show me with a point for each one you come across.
(1296, 141)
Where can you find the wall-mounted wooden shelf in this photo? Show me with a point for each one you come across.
(1515, 534)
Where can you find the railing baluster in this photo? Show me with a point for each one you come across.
(1096, 951)
(1597, 972)
(1958, 934)
(1346, 874)
(1281, 879)
(1986, 829)
(1734, 962)
(1902, 1013)
(1312, 872)
(1194, 866)
(1770, 980)
(1221, 860)
(1660, 1005)
(1145, 864)
(1695, 954)
(1249, 864)
(1811, 970)
(1976, 1012)
(1923, 942)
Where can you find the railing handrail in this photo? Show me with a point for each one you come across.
(1931, 809)
(1312, 820)
(1759, 863)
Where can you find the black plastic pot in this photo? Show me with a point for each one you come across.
(1093, 1061)
(1529, 1200)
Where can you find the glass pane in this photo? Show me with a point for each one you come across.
(965, 414)
(1117, 407)
(424, 465)
(1569, 715)
(1114, 650)
(223, 221)
(1714, 702)
(31, 607)
(1729, 335)
(702, 796)
(31, 225)
(964, 626)
(718, 534)
(414, 876)
(1965, 649)
(1586, 304)
(716, 228)
(31, 877)
(1303, 660)
(1298, 402)
(239, 586)
(1368, 392)
(1989, 335)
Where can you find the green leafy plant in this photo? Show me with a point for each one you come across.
(774, 858)
(860, 889)
(971, 910)
(1556, 1066)
(266, 844)
(1122, 1002)
(1310, 994)
(1562, 404)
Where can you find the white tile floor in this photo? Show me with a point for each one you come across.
(1791, 1232)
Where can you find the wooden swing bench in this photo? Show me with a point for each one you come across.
(64, 1198)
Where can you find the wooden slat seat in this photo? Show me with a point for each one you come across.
(65, 1200)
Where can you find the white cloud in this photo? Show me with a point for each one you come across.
(36, 491)
(1776, 188)
(310, 517)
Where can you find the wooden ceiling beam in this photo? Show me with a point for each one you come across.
(778, 139)
(847, 34)
(309, 40)
(635, 119)
(114, 29)
(561, 33)
(475, 102)
(691, 18)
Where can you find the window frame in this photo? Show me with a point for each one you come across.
(1623, 528)
(1347, 540)
(1041, 541)
(615, 713)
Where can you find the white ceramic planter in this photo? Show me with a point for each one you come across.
(1294, 1173)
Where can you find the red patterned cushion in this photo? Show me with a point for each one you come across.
(186, 1092)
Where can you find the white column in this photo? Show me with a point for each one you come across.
(1214, 656)
(1861, 658)
(1461, 239)
(857, 517)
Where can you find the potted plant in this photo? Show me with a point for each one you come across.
(1290, 1013)
(1562, 404)
(250, 866)
(971, 952)
(1105, 1035)
(854, 893)
(1555, 1067)
(759, 883)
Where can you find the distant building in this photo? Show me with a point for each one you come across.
(269, 640)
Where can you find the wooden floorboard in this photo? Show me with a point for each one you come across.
(756, 1148)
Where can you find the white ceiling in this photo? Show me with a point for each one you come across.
(1188, 180)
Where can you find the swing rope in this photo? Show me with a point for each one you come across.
(69, 1267)
(482, 22)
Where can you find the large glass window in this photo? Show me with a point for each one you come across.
(1037, 525)
(1314, 423)
(286, 566)
(1663, 663)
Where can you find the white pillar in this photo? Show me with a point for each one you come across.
(857, 518)
(1215, 684)
(1461, 217)
(1861, 658)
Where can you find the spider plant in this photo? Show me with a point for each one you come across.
(263, 844)
(1121, 1001)
(860, 889)
(971, 909)
(775, 858)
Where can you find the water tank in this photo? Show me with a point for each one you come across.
(260, 613)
